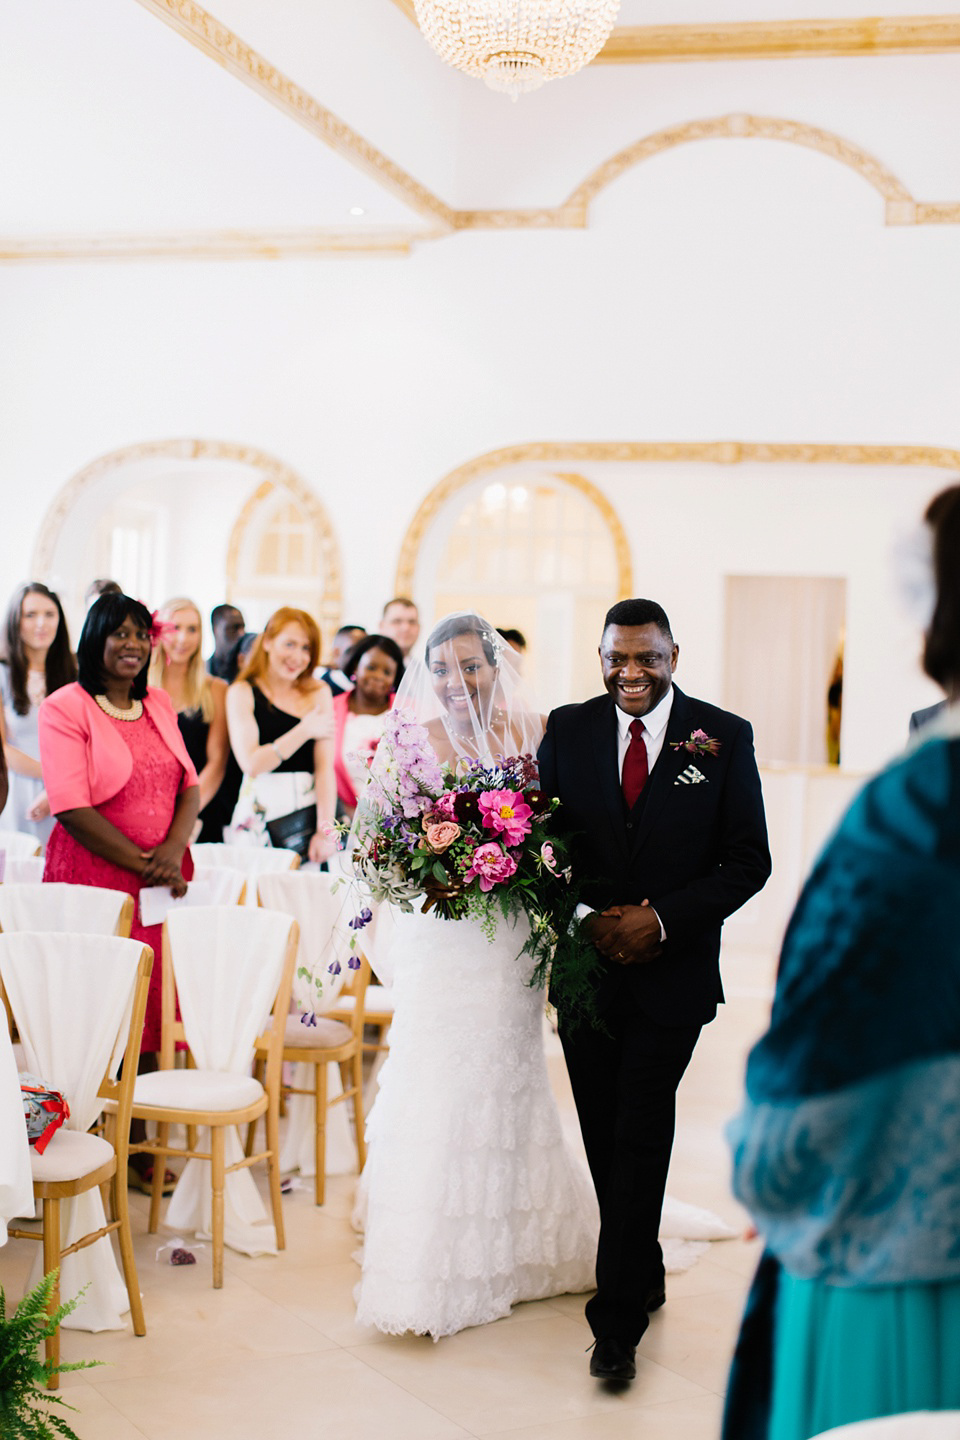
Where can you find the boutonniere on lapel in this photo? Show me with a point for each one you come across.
(699, 743)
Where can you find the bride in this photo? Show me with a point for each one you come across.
(470, 1199)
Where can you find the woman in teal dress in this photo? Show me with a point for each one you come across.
(847, 1151)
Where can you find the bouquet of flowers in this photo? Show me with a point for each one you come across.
(472, 841)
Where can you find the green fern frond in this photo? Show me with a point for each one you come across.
(23, 1376)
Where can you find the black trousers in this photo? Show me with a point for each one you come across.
(625, 1086)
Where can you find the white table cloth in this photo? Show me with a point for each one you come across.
(16, 1180)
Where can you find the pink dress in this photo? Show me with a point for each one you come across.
(143, 811)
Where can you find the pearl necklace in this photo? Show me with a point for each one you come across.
(115, 713)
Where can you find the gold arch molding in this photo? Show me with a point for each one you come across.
(275, 473)
(463, 476)
(717, 452)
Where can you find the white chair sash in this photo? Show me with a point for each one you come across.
(253, 860)
(224, 883)
(23, 869)
(16, 1178)
(323, 916)
(227, 962)
(82, 909)
(72, 997)
(18, 843)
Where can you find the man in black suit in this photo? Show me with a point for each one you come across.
(669, 839)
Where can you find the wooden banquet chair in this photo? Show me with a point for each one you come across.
(232, 970)
(318, 911)
(81, 971)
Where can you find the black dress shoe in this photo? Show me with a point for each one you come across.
(655, 1298)
(613, 1360)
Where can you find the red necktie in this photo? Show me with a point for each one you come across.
(635, 768)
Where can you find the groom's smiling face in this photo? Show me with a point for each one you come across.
(638, 662)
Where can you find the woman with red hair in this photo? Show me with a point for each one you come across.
(281, 727)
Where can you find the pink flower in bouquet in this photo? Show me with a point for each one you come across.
(506, 813)
(440, 837)
(547, 858)
(491, 865)
(443, 808)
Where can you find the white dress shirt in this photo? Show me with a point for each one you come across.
(654, 734)
(654, 731)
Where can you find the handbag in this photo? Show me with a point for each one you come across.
(294, 831)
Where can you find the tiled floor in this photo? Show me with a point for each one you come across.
(277, 1351)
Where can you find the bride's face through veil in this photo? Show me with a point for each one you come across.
(465, 681)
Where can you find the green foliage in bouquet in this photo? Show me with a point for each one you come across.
(23, 1377)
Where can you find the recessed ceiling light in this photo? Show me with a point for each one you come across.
(357, 210)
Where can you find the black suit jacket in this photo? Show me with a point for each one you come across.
(697, 851)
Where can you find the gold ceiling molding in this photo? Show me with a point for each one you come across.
(211, 245)
(774, 39)
(783, 39)
(275, 473)
(551, 453)
(220, 44)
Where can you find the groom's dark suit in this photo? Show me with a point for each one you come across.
(696, 849)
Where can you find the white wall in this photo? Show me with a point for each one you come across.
(735, 289)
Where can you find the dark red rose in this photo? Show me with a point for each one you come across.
(538, 802)
(467, 808)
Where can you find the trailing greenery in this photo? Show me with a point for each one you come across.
(23, 1376)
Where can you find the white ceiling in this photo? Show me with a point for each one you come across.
(112, 122)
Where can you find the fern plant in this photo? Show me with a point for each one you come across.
(23, 1377)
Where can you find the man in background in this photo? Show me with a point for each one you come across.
(343, 642)
(401, 621)
(229, 634)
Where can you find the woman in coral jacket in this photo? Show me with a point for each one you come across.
(118, 776)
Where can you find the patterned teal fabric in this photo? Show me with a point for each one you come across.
(847, 1151)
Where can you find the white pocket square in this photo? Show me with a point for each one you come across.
(691, 776)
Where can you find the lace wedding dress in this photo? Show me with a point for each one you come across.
(470, 1199)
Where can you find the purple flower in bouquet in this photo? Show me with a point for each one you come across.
(353, 963)
(364, 918)
(507, 814)
(490, 865)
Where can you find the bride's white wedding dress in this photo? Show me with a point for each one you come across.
(470, 1199)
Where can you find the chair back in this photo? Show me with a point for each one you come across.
(78, 909)
(322, 915)
(17, 843)
(74, 999)
(23, 869)
(253, 860)
(229, 968)
(226, 885)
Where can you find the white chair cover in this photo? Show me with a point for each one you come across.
(16, 1178)
(81, 909)
(16, 843)
(253, 860)
(72, 997)
(918, 1425)
(23, 869)
(228, 963)
(323, 916)
(223, 883)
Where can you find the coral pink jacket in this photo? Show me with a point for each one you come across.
(84, 760)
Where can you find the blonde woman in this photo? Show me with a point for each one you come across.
(281, 731)
(200, 704)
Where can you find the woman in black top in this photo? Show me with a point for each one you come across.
(281, 728)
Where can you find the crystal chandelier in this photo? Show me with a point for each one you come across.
(516, 45)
